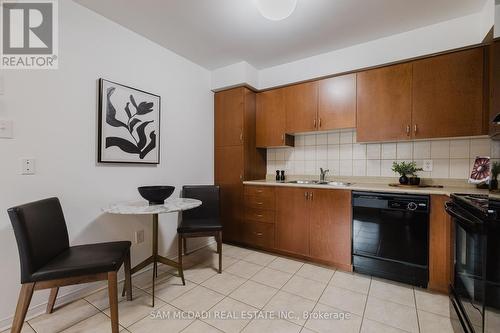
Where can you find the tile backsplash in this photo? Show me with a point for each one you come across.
(339, 152)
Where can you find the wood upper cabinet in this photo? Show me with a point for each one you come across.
(384, 103)
(229, 114)
(337, 102)
(448, 95)
(271, 120)
(301, 107)
(330, 226)
(292, 225)
(440, 246)
(494, 87)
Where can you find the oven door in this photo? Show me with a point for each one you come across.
(468, 290)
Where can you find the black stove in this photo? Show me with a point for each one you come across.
(476, 288)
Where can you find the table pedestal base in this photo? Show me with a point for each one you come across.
(154, 259)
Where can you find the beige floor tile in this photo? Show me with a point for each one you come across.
(145, 280)
(344, 299)
(244, 269)
(434, 303)
(392, 291)
(306, 330)
(26, 329)
(100, 299)
(64, 317)
(272, 278)
(254, 294)
(316, 273)
(271, 326)
(236, 252)
(99, 323)
(260, 258)
(197, 299)
(392, 314)
(286, 302)
(170, 288)
(230, 324)
(286, 265)
(140, 307)
(306, 288)
(200, 327)
(211, 258)
(161, 323)
(224, 283)
(492, 320)
(351, 323)
(199, 273)
(352, 281)
(371, 326)
(432, 323)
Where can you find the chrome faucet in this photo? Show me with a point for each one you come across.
(322, 174)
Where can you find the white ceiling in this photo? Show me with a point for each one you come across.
(217, 33)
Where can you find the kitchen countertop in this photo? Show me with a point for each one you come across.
(376, 187)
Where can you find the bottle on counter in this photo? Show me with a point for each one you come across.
(278, 177)
(282, 177)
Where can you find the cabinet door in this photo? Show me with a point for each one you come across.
(330, 226)
(228, 173)
(448, 95)
(494, 87)
(229, 112)
(440, 246)
(337, 102)
(384, 104)
(271, 119)
(301, 106)
(292, 226)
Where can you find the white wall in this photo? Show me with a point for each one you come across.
(439, 37)
(54, 114)
(497, 21)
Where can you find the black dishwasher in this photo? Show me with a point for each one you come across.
(390, 236)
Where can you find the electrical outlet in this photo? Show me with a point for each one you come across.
(28, 166)
(427, 165)
(139, 236)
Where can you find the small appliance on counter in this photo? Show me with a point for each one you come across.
(475, 292)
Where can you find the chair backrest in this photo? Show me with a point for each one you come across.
(41, 234)
(209, 195)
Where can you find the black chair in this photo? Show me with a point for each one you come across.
(203, 221)
(48, 262)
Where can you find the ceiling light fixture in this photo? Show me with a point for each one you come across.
(276, 10)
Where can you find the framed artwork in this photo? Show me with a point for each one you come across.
(129, 125)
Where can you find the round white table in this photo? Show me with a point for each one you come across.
(143, 208)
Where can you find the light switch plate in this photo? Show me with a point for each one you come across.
(28, 166)
(427, 165)
(6, 129)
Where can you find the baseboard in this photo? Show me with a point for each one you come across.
(80, 293)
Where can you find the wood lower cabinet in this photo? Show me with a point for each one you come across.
(259, 226)
(301, 107)
(292, 221)
(448, 95)
(440, 246)
(337, 103)
(384, 103)
(271, 120)
(236, 156)
(330, 223)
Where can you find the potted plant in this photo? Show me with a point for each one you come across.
(404, 169)
(495, 170)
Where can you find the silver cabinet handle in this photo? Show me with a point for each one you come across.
(415, 128)
(311, 195)
(408, 130)
(314, 123)
(241, 136)
(259, 234)
(306, 195)
(319, 122)
(283, 137)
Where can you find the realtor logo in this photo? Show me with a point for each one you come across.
(29, 36)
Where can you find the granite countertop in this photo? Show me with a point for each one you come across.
(378, 187)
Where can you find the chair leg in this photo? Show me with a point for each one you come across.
(22, 306)
(184, 246)
(180, 241)
(52, 300)
(219, 250)
(128, 276)
(113, 300)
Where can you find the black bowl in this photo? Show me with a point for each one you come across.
(156, 195)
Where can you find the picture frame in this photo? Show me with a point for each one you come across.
(128, 124)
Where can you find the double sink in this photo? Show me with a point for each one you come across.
(317, 182)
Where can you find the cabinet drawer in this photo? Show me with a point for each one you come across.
(259, 202)
(259, 215)
(260, 191)
(259, 234)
